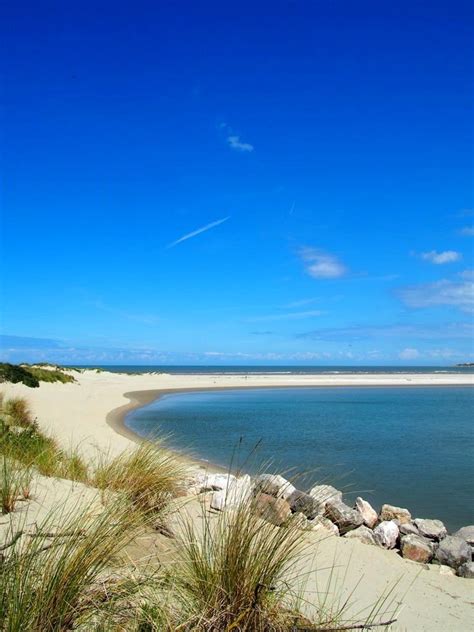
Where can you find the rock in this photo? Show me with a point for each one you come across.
(213, 482)
(408, 528)
(416, 548)
(274, 485)
(304, 503)
(323, 493)
(441, 569)
(466, 534)
(433, 529)
(466, 570)
(300, 521)
(343, 516)
(453, 552)
(367, 512)
(238, 490)
(363, 534)
(324, 524)
(390, 512)
(273, 510)
(386, 534)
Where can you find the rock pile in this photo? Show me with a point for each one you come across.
(322, 508)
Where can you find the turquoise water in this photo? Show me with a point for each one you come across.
(412, 447)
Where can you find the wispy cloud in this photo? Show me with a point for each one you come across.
(409, 353)
(467, 231)
(300, 303)
(446, 256)
(233, 140)
(286, 316)
(322, 265)
(446, 292)
(235, 143)
(198, 231)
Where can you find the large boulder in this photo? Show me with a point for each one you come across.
(214, 482)
(432, 529)
(343, 516)
(416, 548)
(466, 534)
(237, 491)
(408, 528)
(363, 534)
(273, 510)
(274, 485)
(390, 512)
(386, 534)
(367, 512)
(453, 552)
(466, 570)
(304, 503)
(324, 493)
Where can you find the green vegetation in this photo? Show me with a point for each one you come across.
(227, 572)
(22, 441)
(13, 373)
(149, 476)
(234, 575)
(33, 375)
(49, 579)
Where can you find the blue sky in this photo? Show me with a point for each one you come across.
(285, 182)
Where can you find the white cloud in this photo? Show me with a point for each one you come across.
(409, 354)
(447, 256)
(467, 231)
(322, 265)
(235, 143)
(458, 294)
(203, 229)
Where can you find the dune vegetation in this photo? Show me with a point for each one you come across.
(74, 569)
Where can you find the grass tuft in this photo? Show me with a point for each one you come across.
(233, 572)
(150, 476)
(49, 578)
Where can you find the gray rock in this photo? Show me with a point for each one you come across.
(390, 512)
(433, 529)
(363, 534)
(367, 512)
(304, 503)
(323, 493)
(273, 510)
(416, 548)
(453, 552)
(274, 485)
(408, 528)
(466, 534)
(466, 570)
(343, 516)
(386, 534)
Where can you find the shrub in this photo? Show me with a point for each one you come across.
(13, 373)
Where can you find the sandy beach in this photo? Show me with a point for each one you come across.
(90, 413)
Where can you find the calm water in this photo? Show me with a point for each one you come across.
(296, 370)
(412, 447)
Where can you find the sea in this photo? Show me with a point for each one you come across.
(407, 446)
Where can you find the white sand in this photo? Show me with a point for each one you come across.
(77, 415)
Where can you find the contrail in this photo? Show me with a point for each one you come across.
(198, 231)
